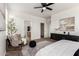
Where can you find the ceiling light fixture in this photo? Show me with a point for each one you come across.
(44, 8)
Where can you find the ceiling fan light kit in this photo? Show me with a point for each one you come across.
(45, 6)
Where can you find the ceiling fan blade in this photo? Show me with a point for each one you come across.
(42, 10)
(43, 4)
(37, 7)
(48, 8)
(49, 4)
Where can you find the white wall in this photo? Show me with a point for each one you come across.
(73, 12)
(48, 23)
(35, 24)
(2, 43)
(2, 33)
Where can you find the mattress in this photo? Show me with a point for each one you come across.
(60, 48)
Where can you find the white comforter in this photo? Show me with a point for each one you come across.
(60, 48)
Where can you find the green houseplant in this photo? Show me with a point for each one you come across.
(11, 27)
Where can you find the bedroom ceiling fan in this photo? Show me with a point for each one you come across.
(44, 6)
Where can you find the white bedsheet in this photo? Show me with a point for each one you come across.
(60, 48)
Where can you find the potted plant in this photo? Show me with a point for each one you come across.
(11, 27)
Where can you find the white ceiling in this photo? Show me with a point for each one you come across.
(29, 8)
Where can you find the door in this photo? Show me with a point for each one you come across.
(42, 30)
(27, 30)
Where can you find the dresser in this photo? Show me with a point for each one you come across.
(57, 36)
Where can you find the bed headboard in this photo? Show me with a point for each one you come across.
(63, 36)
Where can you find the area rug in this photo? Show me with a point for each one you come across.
(28, 51)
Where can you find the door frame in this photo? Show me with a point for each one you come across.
(26, 24)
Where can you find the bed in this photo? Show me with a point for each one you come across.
(60, 48)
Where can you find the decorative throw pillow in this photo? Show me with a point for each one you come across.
(32, 44)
